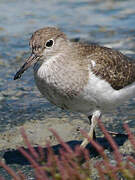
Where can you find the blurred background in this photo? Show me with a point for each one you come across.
(110, 23)
(107, 22)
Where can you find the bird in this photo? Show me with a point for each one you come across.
(79, 77)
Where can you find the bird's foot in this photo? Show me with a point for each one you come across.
(91, 134)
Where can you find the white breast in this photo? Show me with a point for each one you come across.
(52, 81)
(48, 83)
(56, 83)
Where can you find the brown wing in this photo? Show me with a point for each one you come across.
(113, 66)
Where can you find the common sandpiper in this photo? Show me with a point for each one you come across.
(80, 77)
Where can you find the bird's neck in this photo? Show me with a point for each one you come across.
(62, 73)
(47, 66)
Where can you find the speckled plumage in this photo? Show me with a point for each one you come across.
(81, 77)
(111, 65)
(72, 63)
(38, 39)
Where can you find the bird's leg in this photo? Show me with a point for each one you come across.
(94, 133)
(96, 115)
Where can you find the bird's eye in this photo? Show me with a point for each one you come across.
(49, 43)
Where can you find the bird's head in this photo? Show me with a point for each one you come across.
(44, 43)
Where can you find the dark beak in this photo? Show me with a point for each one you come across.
(29, 62)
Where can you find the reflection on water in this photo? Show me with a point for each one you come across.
(110, 23)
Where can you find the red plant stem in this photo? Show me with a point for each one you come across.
(95, 144)
(83, 152)
(1, 178)
(35, 165)
(130, 168)
(130, 135)
(100, 171)
(22, 176)
(67, 148)
(10, 171)
(110, 172)
(101, 150)
(67, 164)
(50, 154)
(62, 170)
(131, 159)
(76, 167)
(41, 152)
(113, 170)
(26, 141)
(117, 154)
(113, 173)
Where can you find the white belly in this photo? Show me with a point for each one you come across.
(96, 95)
(73, 103)
(59, 90)
(105, 97)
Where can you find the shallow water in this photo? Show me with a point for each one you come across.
(107, 22)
